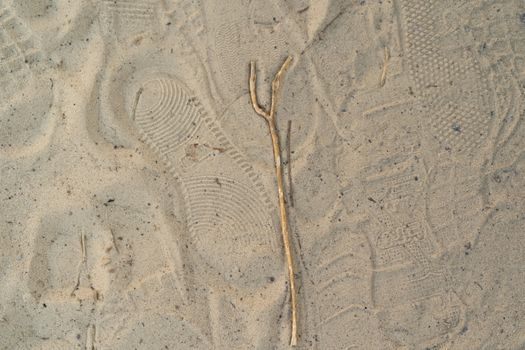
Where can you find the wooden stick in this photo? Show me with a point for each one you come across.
(386, 58)
(136, 102)
(81, 263)
(289, 159)
(83, 246)
(113, 240)
(270, 119)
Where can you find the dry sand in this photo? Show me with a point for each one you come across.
(138, 197)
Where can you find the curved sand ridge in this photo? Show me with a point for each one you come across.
(165, 114)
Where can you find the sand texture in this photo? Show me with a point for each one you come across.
(138, 200)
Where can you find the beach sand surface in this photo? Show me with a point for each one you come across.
(138, 197)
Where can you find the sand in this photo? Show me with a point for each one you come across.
(139, 202)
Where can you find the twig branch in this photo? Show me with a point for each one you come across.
(386, 58)
(81, 263)
(253, 94)
(136, 102)
(276, 85)
(270, 119)
(289, 160)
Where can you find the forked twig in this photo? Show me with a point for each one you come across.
(269, 116)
